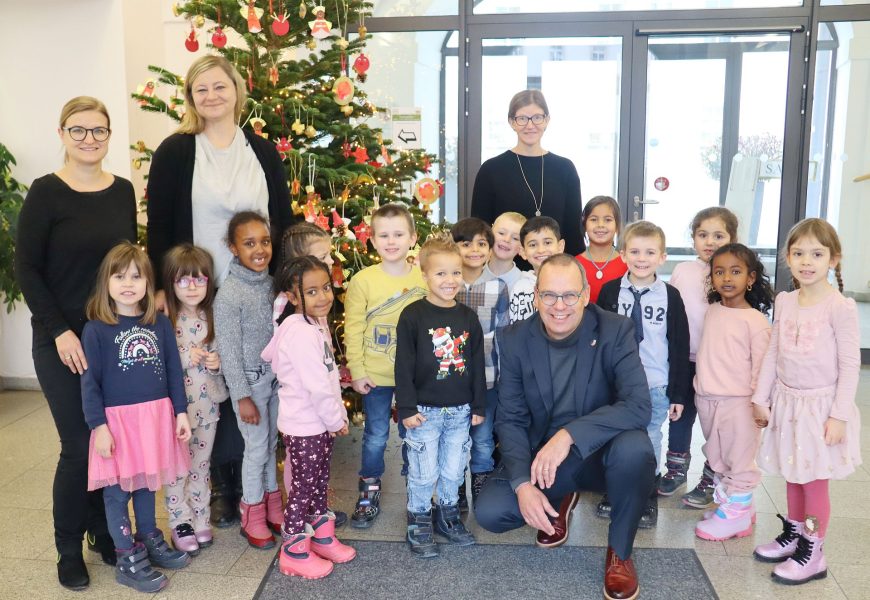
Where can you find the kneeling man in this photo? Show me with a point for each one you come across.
(572, 414)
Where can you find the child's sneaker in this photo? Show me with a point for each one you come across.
(677, 465)
(184, 539)
(160, 553)
(296, 558)
(368, 506)
(134, 570)
(420, 538)
(325, 544)
(732, 519)
(449, 525)
(649, 518)
(784, 545)
(807, 562)
(702, 496)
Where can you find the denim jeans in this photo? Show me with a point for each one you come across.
(437, 454)
(660, 407)
(118, 517)
(482, 440)
(259, 468)
(378, 405)
(680, 431)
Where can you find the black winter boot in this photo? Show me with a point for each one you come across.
(420, 538)
(72, 572)
(223, 512)
(134, 570)
(448, 525)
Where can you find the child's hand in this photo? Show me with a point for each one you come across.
(248, 412)
(761, 415)
(197, 355)
(212, 361)
(675, 412)
(414, 422)
(343, 431)
(182, 427)
(363, 385)
(835, 431)
(160, 302)
(104, 443)
(477, 420)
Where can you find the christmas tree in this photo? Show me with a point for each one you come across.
(301, 94)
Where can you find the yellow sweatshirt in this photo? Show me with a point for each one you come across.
(372, 307)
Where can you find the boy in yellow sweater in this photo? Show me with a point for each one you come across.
(375, 299)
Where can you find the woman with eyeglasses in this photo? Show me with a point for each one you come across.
(70, 219)
(528, 179)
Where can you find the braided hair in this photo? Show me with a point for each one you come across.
(760, 294)
(825, 233)
(289, 279)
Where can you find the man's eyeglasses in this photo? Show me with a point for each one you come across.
(523, 120)
(186, 282)
(550, 298)
(78, 134)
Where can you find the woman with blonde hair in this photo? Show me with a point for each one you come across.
(200, 176)
(70, 219)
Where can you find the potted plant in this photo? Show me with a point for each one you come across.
(11, 200)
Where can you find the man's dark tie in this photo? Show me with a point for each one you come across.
(635, 314)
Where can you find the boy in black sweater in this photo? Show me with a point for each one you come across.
(440, 393)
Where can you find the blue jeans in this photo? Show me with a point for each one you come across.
(437, 454)
(259, 467)
(118, 518)
(680, 431)
(482, 440)
(660, 407)
(378, 404)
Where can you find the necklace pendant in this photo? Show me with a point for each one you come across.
(599, 275)
(537, 213)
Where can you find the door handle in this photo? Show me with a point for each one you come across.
(638, 201)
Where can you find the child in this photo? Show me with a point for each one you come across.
(375, 298)
(602, 223)
(661, 331)
(489, 301)
(188, 278)
(440, 390)
(302, 239)
(243, 327)
(310, 415)
(711, 228)
(736, 334)
(506, 245)
(806, 392)
(540, 238)
(134, 403)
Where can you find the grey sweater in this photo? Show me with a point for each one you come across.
(242, 324)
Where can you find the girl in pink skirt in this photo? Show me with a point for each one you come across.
(806, 399)
(134, 402)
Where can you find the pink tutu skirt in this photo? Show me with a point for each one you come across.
(147, 453)
(793, 444)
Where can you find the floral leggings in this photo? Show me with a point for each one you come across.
(306, 477)
(188, 499)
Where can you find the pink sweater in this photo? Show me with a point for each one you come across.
(732, 350)
(309, 395)
(814, 347)
(690, 278)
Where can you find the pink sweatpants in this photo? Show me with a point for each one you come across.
(732, 440)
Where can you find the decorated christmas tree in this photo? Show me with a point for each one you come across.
(303, 69)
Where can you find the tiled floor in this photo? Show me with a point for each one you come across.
(230, 569)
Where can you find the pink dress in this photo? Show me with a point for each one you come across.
(810, 373)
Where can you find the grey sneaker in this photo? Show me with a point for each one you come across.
(134, 570)
(448, 525)
(702, 496)
(677, 464)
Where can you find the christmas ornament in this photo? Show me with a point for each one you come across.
(257, 123)
(342, 43)
(345, 149)
(388, 160)
(140, 146)
(295, 187)
(361, 30)
(337, 275)
(311, 44)
(310, 211)
(361, 155)
(297, 127)
(363, 232)
(176, 10)
(191, 43)
(347, 110)
(310, 131)
(146, 90)
(309, 189)
(320, 27)
(322, 222)
(427, 190)
(252, 14)
(343, 90)
(199, 21)
(361, 65)
(280, 24)
(137, 163)
(218, 38)
(273, 75)
(336, 218)
(283, 146)
(302, 10)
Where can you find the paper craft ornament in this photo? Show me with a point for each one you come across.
(343, 90)
(302, 10)
(218, 38)
(427, 191)
(273, 75)
(280, 23)
(252, 14)
(310, 131)
(257, 123)
(361, 155)
(363, 232)
(320, 27)
(191, 43)
(297, 127)
(347, 110)
(146, 90)
(361, 64)
(283, 146)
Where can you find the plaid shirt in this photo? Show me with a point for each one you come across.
(489, 299)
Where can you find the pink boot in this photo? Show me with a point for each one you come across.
(733, 518)
(807, 562)
(274, 510)
(784, 545)
(710, 513)
(297, 560)
(325, 543)
(254, 525)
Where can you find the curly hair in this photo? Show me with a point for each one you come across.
(759, 295)
(289, 279)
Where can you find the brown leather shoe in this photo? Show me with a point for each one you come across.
(560, 524)
(620, 578)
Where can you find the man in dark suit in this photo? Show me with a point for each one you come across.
(572, 414)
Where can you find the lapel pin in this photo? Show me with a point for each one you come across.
(593, 343)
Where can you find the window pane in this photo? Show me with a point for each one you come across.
(548, 6)
(414, 8)
(413, 70)
(843, 2)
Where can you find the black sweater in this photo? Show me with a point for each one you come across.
(678, 337)
(499, 187)
(439, 361)
(63, 236)
(170, 183)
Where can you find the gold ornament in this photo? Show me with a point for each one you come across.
(311, 44)
(362, 31)
(342, 43)
(140, 146)
(175, 9)
(310, 131)
(347, 109)
(199, 21)
(297, 127)
(137, 163)
(309, 189)
(302, 10)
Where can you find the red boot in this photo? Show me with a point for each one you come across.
(274, 511)
(296, 559)
(254, 525)
(325, 544)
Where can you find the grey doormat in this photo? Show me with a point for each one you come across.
(385, 570)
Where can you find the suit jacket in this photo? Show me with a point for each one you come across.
(611, 392)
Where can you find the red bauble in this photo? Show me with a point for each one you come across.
(280, 26)
(191, 43)
(361, 64)
(218, 38)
